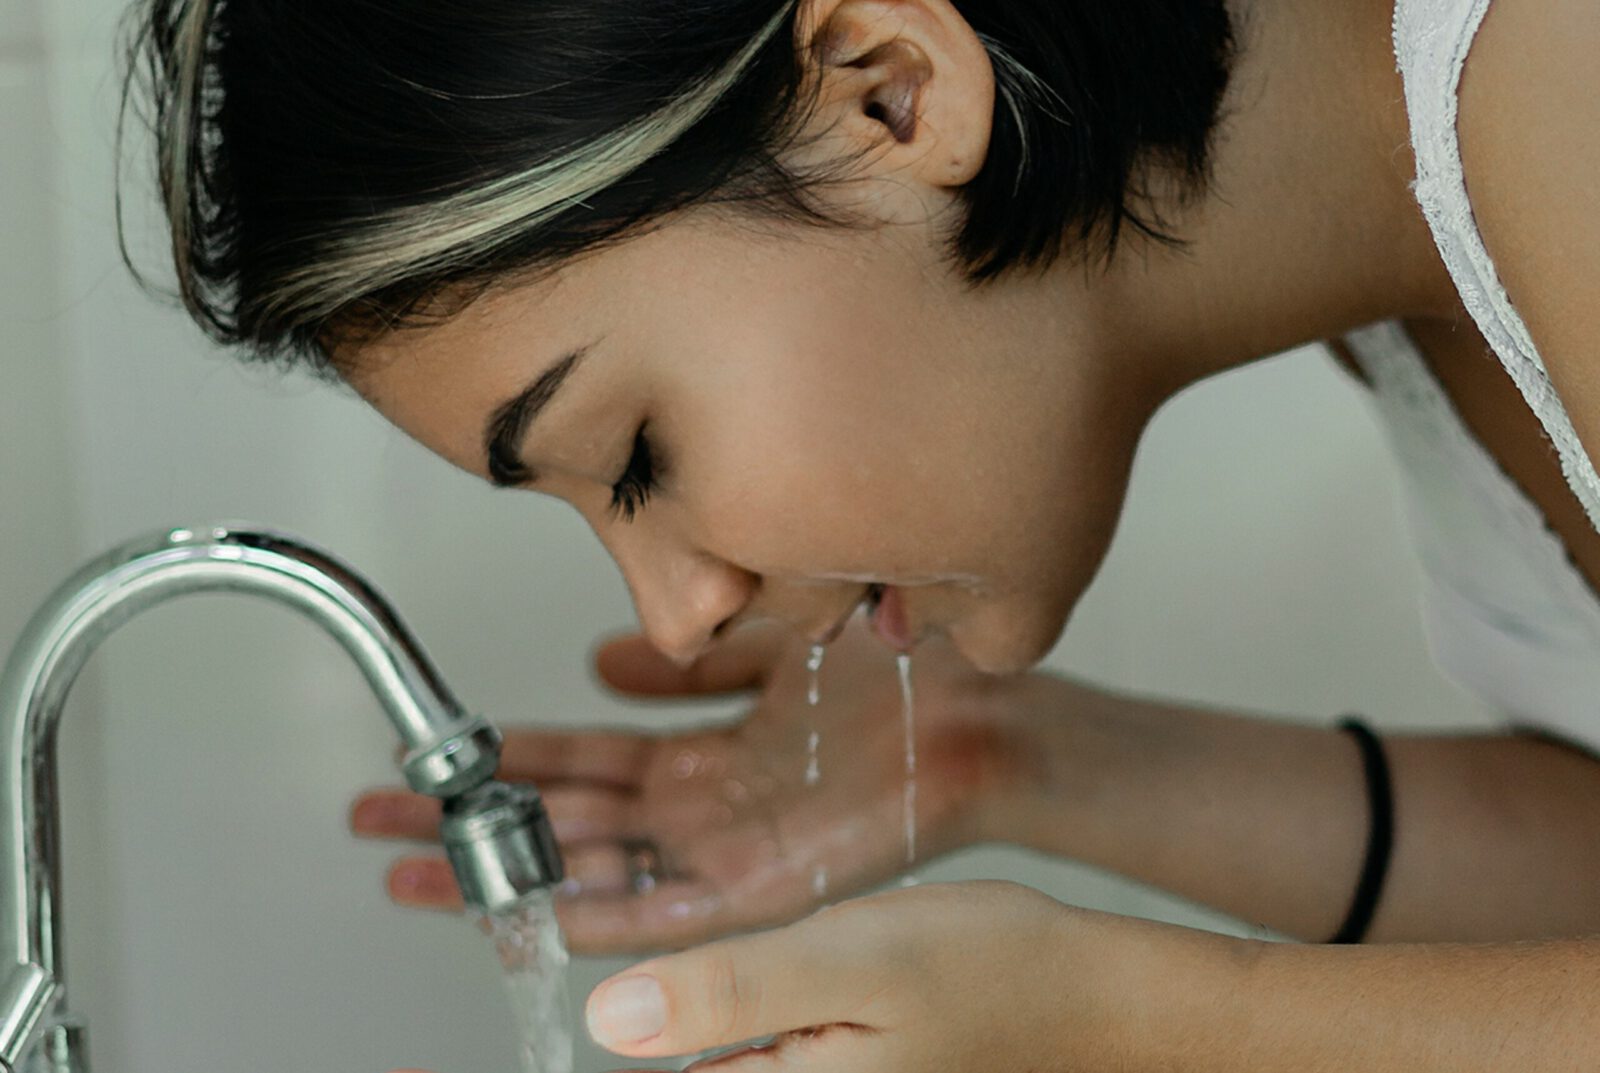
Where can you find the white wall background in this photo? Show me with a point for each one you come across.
(219, 916)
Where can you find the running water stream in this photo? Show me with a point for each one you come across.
(908, 718)
(813, 698)
(529, 945)
(819, 874)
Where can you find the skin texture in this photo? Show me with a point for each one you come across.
(739, 835)
(785, 385)
(824, 402)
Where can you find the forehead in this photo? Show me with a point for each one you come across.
(440, 381)
(544, 311)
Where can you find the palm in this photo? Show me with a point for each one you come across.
(734, 809)
(672, 839)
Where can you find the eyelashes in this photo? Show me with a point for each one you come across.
(640, 478)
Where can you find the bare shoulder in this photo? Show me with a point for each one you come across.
(1530, 145)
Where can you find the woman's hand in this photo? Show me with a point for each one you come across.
(733, 832)
(959, 978)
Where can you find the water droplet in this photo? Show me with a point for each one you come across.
(814, 669)
(819, 882)
(814, 697)
(685, 764)
(695, 907)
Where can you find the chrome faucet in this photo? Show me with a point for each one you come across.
(497, 836)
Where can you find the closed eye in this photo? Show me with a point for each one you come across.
(639, 480)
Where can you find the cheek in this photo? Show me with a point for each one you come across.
(779, 473)
(773, 497)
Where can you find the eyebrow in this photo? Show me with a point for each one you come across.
(508, 425)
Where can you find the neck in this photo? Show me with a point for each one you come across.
(1308, 227)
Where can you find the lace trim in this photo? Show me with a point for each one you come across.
(1432, 39)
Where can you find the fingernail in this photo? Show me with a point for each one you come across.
(627, 1011)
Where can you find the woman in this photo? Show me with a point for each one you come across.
(836, 303)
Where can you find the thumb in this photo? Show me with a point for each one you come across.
(810, 974)
(739, 661)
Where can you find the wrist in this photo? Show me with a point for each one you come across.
(1172, 997)
(1006, 764)
(1054, 748)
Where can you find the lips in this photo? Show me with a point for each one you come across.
(832, 633)
(886, 613)
(889, 620)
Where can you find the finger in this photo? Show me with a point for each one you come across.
(577, 814)
(423, 883)
(684, 908)
(821, 971)
(739, 661)
(603, 868)
(599, 869)
(613, 758)
(792, 1051)
(590, 814)
(395, 813)
(676, 913)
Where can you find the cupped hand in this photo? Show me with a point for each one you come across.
(734, 832)
(959, 978)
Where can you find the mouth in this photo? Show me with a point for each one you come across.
(869, 599)
(887, 610)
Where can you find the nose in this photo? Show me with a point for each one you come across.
(684, 597)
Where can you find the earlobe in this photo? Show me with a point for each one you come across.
(916, 72)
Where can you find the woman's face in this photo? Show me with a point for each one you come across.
(763, 424)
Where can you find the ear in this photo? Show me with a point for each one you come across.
(906, 81)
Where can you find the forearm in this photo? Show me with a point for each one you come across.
(1433, 1008)
(1495, 837)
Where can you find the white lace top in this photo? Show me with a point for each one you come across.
(1506, 613)
(1431, 42)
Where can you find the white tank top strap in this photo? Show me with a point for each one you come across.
(1431, 41)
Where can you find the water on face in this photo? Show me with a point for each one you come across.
(534, 957)
(819, 876)
(908, 718)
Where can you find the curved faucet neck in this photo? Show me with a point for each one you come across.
(447, 751)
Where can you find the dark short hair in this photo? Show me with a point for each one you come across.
(338, 168)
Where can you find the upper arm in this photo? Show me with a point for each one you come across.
(1530, 145)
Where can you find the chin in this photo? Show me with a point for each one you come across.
(1002, 642)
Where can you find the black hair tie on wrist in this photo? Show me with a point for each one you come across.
(1380, 842)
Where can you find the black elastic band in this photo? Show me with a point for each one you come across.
(1380, 842)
